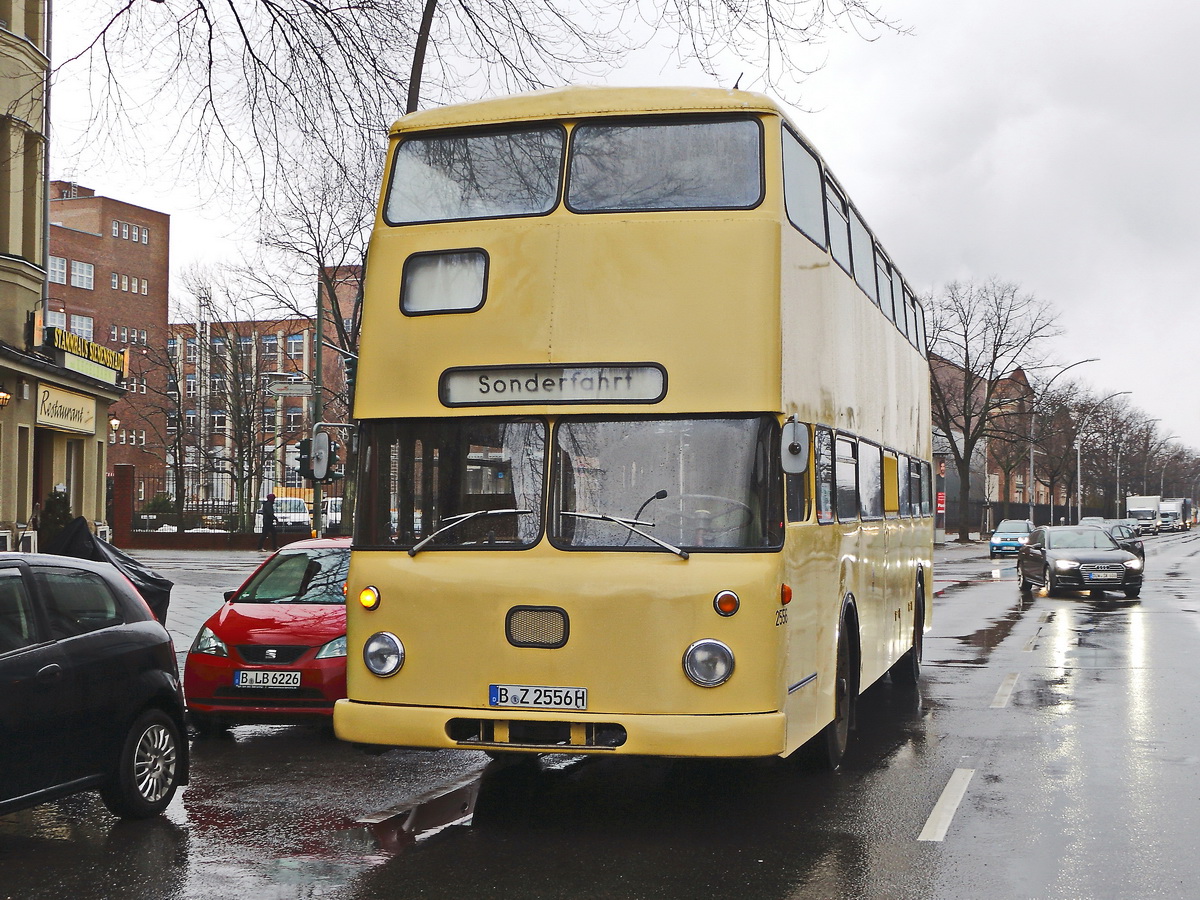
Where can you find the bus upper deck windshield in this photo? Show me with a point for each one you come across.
(714, 162)
(646, 484)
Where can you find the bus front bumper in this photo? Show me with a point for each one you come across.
(567, 731)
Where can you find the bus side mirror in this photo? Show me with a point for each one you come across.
(794, 447)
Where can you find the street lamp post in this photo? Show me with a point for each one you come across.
(1079, 456)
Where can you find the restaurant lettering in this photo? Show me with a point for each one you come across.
(72, 343)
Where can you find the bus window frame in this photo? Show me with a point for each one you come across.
(663, 119)
(788, 133)
(510, 128)
(823, 438)
(835, 196)
(851, 441)
(772, 471)
(422, 254)
(864, 447)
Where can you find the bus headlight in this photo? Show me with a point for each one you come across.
(708, 663)
(383, 654)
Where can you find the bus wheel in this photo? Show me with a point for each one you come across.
(834, 737)
(907, 669)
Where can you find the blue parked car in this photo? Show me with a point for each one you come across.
(1008, 537)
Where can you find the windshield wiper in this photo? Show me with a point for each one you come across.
(455, 521)
(629, 523)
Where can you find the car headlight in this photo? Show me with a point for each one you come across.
(1022, 540)
(207, 642)
(383, 654)
(336, 647)
(1064, 565)
(1135, 564)
(708, 663)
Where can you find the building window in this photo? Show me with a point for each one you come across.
(56, 319)
(270, 345)
(142, 336)
(57, 272)
(268, 420)
(141, 437)
(295, 346)
(216, 384)
(82, 274)
(124, 335)
(125, 230)
(82, 326)
(173, 348)
(145, 287)
(189, 420)
(191, 350)
(172, 420)
(116, 228)
(116, 281)
(189, 384)
(218, 347)
(219, 420)
(245, 348)
(295, 418)
(145, 235)
(112, 333)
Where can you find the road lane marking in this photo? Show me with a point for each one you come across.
(1005, 692)
(939, 820)
(1033, 641)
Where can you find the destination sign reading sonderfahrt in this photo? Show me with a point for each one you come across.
(592, 383)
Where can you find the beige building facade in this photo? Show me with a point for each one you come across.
(56, 387)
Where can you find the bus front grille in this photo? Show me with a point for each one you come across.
(513, 733)
(537, 626)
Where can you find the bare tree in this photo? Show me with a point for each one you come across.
(239, 83)
(979, 335)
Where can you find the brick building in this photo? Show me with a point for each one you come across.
(109, 277)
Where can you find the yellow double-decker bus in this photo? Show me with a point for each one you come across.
(644, 436)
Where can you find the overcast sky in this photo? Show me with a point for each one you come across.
(1050, 143)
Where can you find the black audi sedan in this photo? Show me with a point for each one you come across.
(1077, 558)
(90, 697)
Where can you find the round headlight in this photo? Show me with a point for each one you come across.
(383, 654)
(708, 663)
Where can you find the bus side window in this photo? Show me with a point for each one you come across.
(839, 225)
(870, 481)
(823, 468)
(891, 485)
(845, 469)
(802, 189)
(926, 489)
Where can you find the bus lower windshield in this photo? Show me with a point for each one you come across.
(695, 483)
(478, 483)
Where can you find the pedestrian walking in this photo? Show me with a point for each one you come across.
(268, 524)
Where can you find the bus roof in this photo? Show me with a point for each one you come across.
(570, 102)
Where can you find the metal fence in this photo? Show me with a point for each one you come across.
(155, 507)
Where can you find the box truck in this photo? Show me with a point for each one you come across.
(1145, 511)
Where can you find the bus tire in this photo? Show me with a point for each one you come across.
(828, 748)
(907, 669)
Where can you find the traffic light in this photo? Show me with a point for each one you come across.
(304, 453)
(334, 461)
(350, 368)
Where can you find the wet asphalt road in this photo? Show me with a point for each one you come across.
(1050, 752)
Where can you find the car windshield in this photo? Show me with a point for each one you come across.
(300, 576)
(1081, 539)
(1013, 526)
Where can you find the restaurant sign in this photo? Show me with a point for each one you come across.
(86, 357)
(66, 410)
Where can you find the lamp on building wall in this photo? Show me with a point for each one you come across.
(113, 424)
(5, 396)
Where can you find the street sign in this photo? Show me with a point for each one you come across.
(289, 388)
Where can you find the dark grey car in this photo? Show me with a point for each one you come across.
(90, 697)
(1077, 558)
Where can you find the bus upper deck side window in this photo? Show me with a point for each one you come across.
(802, 189)
(839, 225)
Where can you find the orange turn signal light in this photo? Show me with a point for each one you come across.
(785, 594)
(726, 603)
(368, 597)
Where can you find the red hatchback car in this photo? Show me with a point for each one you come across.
(275, 652)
